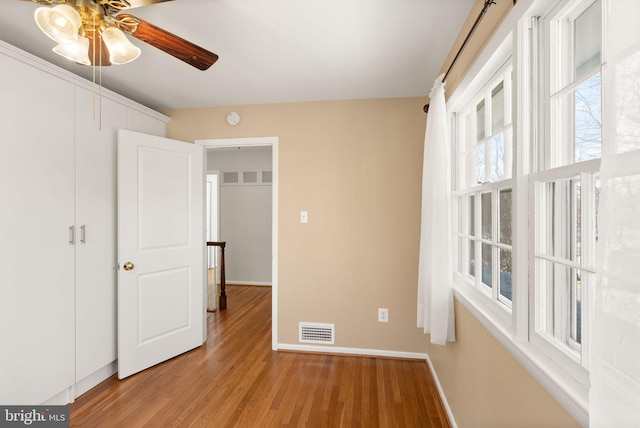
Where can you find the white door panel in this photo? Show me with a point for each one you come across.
(161, 232)
(97, 121)
(37, 246)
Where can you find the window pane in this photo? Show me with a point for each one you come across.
(485, 205)
(587, 36)
(480, 165)
(472, 257)
(487, 271)
(560, 234)
(588, 120)
(480, 121)
(497, 108)
(578, 116)
(505, 274)
(505, 216)
(497, 157)
(576, 305)
(472, 215)
(558, 286)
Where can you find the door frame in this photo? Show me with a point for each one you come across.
(207, 197)
(258, 142)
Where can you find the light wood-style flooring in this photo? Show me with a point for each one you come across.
(236, 380)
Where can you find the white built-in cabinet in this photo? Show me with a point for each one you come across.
(58, 137)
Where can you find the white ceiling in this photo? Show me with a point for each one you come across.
(273, 50)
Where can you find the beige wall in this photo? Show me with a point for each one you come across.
(486, 387)
(355, 166)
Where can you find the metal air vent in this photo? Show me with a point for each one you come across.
(313, 332)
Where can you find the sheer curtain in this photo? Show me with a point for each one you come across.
(435, 295)
(614, 398)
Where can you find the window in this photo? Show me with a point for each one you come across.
(566, 184)
(527, 142)
(484, 189)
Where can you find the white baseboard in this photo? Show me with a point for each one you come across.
(95, 378)
(266, 284)
(441, 393)
(60, 399)
(80, 387)
(351, 351)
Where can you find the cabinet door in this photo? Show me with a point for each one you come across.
(36, 257)
(140, 122)
(97, 122)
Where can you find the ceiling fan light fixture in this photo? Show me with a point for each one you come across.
(121, 50)
(60, 23)
(77, 51)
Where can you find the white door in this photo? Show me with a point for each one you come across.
(161, 250)
(37, 234)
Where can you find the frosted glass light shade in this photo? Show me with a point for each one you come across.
(121, 50)
(77, 51)
(60, 23)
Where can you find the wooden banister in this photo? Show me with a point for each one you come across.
(222, 302)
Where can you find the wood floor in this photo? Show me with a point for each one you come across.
(236, 380)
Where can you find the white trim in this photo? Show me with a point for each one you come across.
(443, 398)
(61, 399)
(351, 351)
(95, 378)
(257, 283)
(253, 142)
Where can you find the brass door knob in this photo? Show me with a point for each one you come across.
(128, 266)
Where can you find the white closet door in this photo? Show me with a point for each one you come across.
(140, 122)
(97, 122)
(36, 257)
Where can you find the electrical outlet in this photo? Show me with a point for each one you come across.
(383, 315)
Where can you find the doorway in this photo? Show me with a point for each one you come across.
(273, 143)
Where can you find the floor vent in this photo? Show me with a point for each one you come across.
(313, 332)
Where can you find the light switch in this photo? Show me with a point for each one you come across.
(304, 217)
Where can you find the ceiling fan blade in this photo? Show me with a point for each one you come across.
(180, 48)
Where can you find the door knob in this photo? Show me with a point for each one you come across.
(128, 266)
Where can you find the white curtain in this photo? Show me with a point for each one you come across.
(614, 398)
(435, 295)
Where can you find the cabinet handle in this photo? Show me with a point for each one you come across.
(83, 234)
(72, 235)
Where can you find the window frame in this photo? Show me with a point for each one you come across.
(464, 146)
(521, 35)
(558, 163)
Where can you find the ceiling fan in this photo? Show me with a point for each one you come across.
(92, 32)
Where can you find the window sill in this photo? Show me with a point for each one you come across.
(569, 392)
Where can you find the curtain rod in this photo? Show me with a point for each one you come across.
(487, 4)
